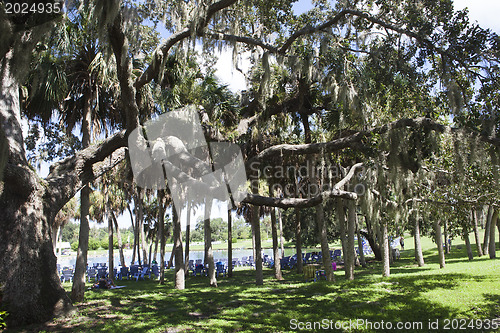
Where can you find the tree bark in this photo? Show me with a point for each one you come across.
(277, 264)
(370, 237)
(486, 239)
(325, 249)
(476, 233)
(362, 260)
(209, 255)
(31, 288)
(111, 261)
(298, 240)
(188, 235)
(439, 243)
(134, 229)
(282, 240)
(494, 221)
(78, 289)
(120, 242)
(161, 232)
(259, 277)
(229, 243)
(446, 239)
(341, 219)
(386, 271)
(465, 234)
(350, 248)
(419, 257)
(179, 258)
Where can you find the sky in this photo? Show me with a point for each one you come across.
(484, 12)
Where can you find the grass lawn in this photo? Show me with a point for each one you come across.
(462, 291)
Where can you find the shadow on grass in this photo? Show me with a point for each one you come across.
(238, 305)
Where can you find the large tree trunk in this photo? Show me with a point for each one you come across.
(325, 249)
(494, 221)
(188, 235)
(119, 237)
(274, 231)
(298, 240)
(229, 243)
(209, 254)
(486, 239)
(476, 233)
(31, 288)
(161, 232)
(179, 258)
(384, 241)
(78, 289)
(439, 243)
(419, 257)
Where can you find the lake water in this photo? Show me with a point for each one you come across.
(193, 255)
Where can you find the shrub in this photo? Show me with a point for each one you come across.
(234, 240)
(74, 246)
(93, 244)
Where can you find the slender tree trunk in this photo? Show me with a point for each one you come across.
(446, 238)
(155, 254)
(298, 240)
(384, 241)
(188, 235)
(119, 237)
(134, 229)
(229, 243)
(325, 249)
(161, 232)
(277, 265)
(341, 219)
(78, 289)
(282, 240)
(350, 248)
(476, 234)
(486, 240)
(111, 262)
(494, 221)
(362, 260)
(419, 257)
(465, 234)
(259, 277)
(141, 231)
(179, 258)
(370, 237)
(439, 243)
(209, 255)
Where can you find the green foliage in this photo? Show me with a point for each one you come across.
(74, 246)
(94, 244)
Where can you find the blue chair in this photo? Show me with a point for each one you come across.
(67, 274)
(141, 274)
(102, 273)
(123, 273)
(92, 274)
(199, 269)
(220, 269)
(134, 269)
(155, 270)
